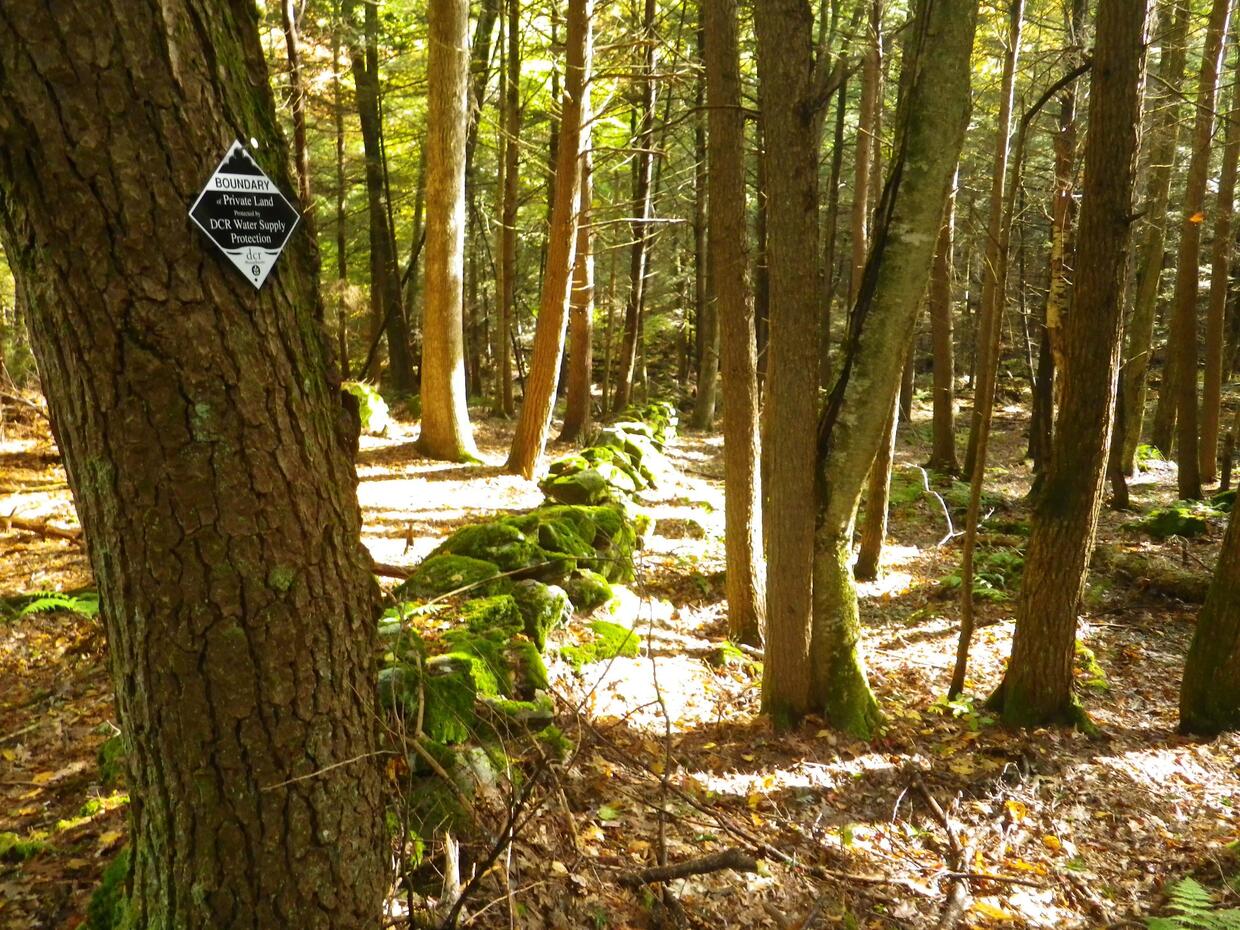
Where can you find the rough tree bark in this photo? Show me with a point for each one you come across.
(445, 431)
(744, 581)
(786, 79)
(1167, 102)
(1037, 687)
(210, 465)
(534, 421)
(1182, 339)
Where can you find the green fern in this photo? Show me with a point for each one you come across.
(86, 603)
(1192, 907)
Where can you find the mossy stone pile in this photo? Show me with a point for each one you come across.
(624, 458)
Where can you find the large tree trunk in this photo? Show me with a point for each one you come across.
(202, 437)
(1220, 280)
(446, 434)
(505, 297)
(1210, 693)
(643, 206)
(744, 580)
(785, 72)
(929, 134)
(1037, 687)
(1166, 101)
(580, 378)
(534, 421)
(387, 311)
(943, 446)
(1182, 340)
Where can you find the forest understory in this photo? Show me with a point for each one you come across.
(946, 819)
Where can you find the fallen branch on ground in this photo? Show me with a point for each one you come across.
(727, 859)
(41, 528)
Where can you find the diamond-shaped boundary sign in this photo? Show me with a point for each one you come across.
(244, 214)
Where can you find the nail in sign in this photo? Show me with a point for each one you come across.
(245, 215)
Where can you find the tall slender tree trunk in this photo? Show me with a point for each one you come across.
(703, 285)
(297, 105)
(534, 421)
(1037, 687)
(1182, 341)
(995, 261)
(446, 433)
(236, 595)
(867, 130)
(1166, 101)
(829, 273)
(744, 580)
(929, 134)
(643, 206)
(387, 312)
(878, 492)
(342, 257)
(505, 297)
(581, 310)
(1220, 279)
(989, 330)
(943, 442)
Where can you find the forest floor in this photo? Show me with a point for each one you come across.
(1050, 828)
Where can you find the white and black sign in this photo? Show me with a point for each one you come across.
(245, 214)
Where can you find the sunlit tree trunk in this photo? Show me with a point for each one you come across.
(445, 432)
(534, 421)
(744, 581)
(1182, 341)
(643, 208)
(1167, 103)
(929, 133)
(581, 311)
(210, 463)
(505, 296)
(943, 443)
(707, 309)
(1037, 687)
(995, 262)
(1220, 280)
(1210, 693)
(864, 178)
(387, 311)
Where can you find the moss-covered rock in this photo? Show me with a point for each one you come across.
(444, 573)
(1182, 518)
(500, 612)
(17, 848)
(588, 590)
(587, 486)
(542, 608)
(607, 641)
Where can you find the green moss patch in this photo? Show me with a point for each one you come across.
(1183, 518)
(17, 848)
(444, 573)
(608, 641)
